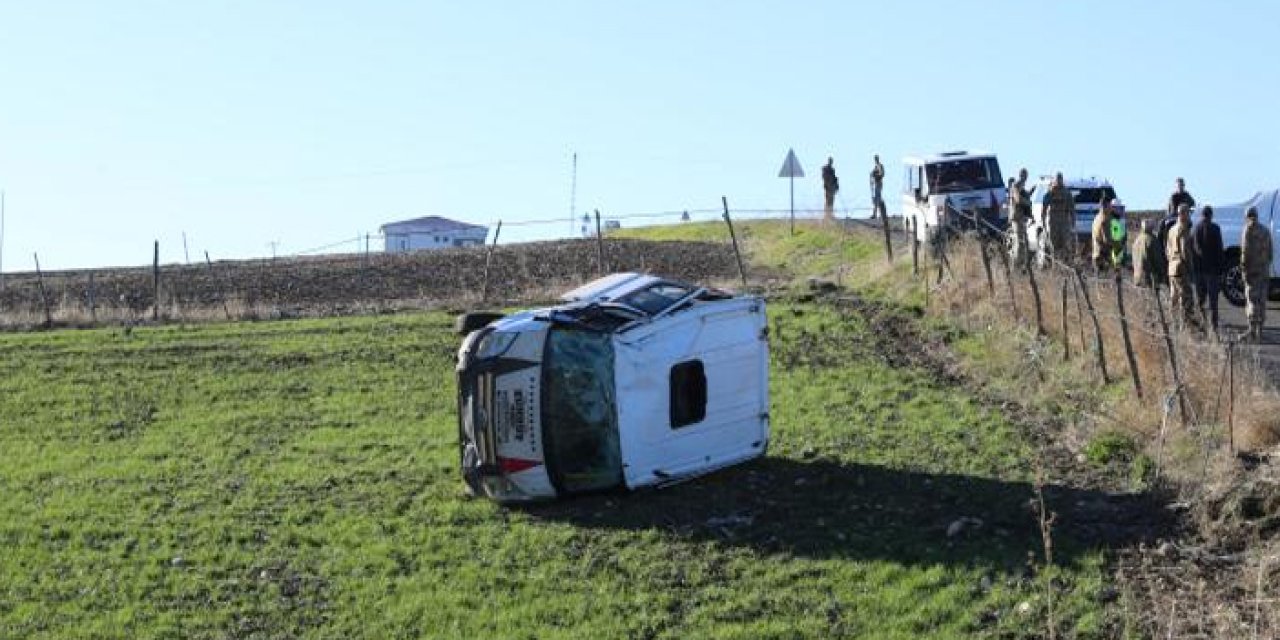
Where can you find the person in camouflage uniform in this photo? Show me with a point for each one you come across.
(1019, 213)
(877, 189)
(1178, 198)
(1143, 254)
(1175, 251)
(1059, 217)
(1255, 261)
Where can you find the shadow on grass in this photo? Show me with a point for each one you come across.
(826, 509)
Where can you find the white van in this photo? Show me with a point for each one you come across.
(1089, 194)
(937, 188)
(634, 381)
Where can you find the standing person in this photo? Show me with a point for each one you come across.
(830, 185)
(1209, 259)
(877, 189)
(1179, 197)
(1119, 234)
(1100, 235)
(1143, 253)
(1175, 251)
(1255, 261)
(1020, 205)
(1060, 217)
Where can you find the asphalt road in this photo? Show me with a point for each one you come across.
(1234, 323)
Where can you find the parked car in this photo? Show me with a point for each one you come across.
(634, 381)
(941, 191)
(1089, 194)
(1230, 218)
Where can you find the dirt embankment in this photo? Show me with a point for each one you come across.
(336, 284)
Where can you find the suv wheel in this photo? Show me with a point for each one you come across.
(1233, 285)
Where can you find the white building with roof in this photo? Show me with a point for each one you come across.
(431, 232)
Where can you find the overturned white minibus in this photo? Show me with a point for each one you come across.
(634, 381)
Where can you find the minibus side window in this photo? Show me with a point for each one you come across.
(688, 394)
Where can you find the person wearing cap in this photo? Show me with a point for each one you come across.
(1255, 261)
(830, 185)
(1060, 217)
(1209, 259)
(1100, 235)
(1175, 251)
(1143, 254)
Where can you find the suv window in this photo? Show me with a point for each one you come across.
(1093, 195)
(965, 174)
(688, 394)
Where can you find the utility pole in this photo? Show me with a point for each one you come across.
(185, 255)
(573, 192)
(273, 244)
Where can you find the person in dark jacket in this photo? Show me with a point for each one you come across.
(1208, 260)
(830, 185)
(1179, 196)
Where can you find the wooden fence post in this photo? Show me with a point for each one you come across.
(986, 265)
(155, 282)
(1097, 328)
(742, 271)
(600, 245)
(888, 246)
(44, 298)
(943, 262)
(915, 248)
(1124, 331)
(1231, 396)
(1008, 280)
(1173, 358)
(1075, 293)
(488, 258)
(1066, 333)
(217, 285)
(93, 301)
(1035, 296)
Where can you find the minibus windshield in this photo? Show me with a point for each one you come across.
(579, 411)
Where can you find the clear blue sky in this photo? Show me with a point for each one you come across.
(244, 122)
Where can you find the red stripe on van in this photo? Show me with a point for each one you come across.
(516, 465)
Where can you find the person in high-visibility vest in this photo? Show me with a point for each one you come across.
(1119, 234)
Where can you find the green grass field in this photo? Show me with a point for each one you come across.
(298, 479)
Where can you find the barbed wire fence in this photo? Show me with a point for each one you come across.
(1170, 357)
(356, 273)
(1188, 396)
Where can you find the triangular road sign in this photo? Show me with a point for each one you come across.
(791, 166)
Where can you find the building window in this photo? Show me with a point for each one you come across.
(688, 394)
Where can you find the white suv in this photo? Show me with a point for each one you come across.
(1089, 194)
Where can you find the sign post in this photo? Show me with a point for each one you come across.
(791, 169)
